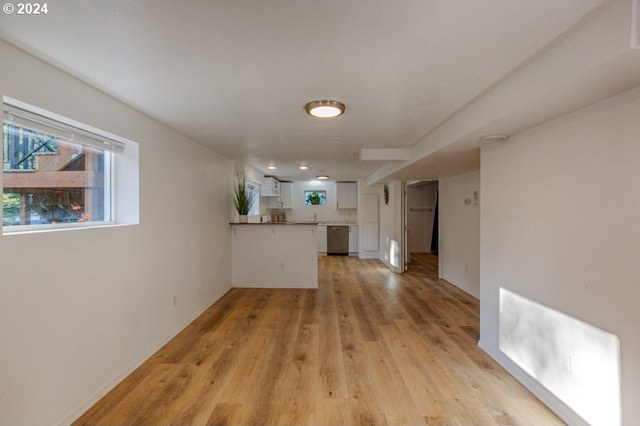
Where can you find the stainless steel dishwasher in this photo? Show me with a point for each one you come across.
(338, 240)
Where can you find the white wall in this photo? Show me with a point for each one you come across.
(459, 244)
(391, 227)
(560, 227)
(80, 309)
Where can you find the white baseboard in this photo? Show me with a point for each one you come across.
(368, 255)
(556, 405)
(82, 408)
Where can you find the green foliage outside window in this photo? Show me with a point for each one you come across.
(315, 197)
(10, 206)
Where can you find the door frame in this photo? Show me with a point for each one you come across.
(406, 253)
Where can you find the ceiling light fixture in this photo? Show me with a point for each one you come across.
(324, 108)
(271, 166)
(322, 177)
(303, 167)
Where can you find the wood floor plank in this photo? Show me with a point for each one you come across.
(394, 398)
(143, 397)
(224, 414)
(299, 383)
(330, 411)
(413, 368)
(331, 374)
(368, 347)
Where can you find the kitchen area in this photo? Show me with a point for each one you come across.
(293, 224)
(335, 212)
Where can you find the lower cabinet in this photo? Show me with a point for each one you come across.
(353, 239)
(322, 239)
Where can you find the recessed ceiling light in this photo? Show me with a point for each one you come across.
(271, 167)
(324, 108)
(303, 167)
(322, 177)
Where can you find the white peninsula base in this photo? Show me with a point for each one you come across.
(278, 255)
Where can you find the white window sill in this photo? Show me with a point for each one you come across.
(37, 229)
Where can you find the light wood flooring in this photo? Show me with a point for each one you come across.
(424, 263)
(369, 347)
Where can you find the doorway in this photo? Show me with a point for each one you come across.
(421, 227)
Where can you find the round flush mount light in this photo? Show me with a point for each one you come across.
(322, 177)
(303, 167)
(324, 108)
(271, 166)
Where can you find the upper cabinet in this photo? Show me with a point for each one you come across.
(347, 195)
(270, 187)
(286, 188)
(282, 201)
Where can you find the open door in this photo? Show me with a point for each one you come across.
(420, 221)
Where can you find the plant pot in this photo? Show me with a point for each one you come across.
(315, 203)
(243, 218)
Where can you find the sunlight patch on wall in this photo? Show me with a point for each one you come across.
(392, 252)
(577, 362)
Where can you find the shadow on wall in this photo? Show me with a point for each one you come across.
(577, 362)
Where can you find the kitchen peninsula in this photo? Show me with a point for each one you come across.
(274, 255)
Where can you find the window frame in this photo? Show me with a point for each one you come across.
(253, 185)
(109, 145)
(321, 192)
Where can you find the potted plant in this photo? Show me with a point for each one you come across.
(315, 198)
(243, 197)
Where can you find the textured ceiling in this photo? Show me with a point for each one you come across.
(235, 75)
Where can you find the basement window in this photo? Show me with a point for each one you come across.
(54, 174)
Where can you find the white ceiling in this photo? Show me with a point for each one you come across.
(235, 75)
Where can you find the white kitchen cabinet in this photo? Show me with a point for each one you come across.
(286, 190)
(270, 187)
(283, 201)
(322, 239)
(347, 195)
(353, 238)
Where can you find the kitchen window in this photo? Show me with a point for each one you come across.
(315, 198)
(55, 174)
